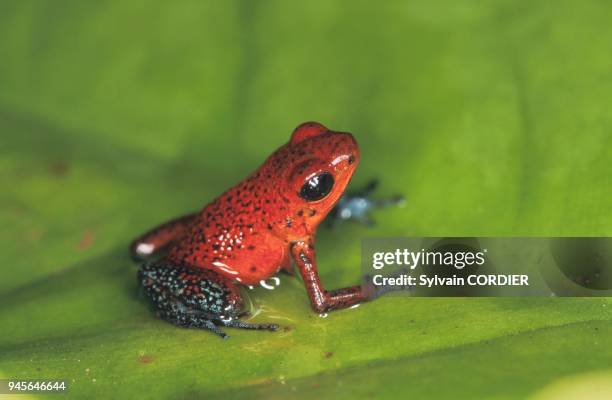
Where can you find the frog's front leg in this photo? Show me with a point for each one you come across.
(158, 238)
(194, 297)
(323, 300)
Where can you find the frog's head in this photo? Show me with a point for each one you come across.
(317, 166)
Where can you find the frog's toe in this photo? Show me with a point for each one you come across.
(181, 316)
(375, 291)
(236, 323)
(214, 329)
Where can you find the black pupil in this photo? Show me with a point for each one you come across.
(317, 187)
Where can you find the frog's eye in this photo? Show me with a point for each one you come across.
(317, 187)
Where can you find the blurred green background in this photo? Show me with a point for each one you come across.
(492, 117)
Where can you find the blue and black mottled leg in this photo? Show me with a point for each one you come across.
(194, 298)
(357, 206)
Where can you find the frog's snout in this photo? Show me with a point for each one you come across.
(346, 150)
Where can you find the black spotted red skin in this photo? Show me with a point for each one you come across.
(250, 232)
(245, 233)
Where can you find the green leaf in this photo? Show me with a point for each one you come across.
(492, 118)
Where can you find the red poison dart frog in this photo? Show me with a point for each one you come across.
(249, 233)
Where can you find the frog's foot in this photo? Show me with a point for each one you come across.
(375, 291)
(194, 298)
(189, 319)
(357, 206)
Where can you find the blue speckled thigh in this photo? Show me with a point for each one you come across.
(194, 297)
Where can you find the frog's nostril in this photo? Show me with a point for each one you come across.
(351, 159)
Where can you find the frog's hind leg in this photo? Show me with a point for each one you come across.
(368, 189)
(194, 297)
(158, 238)
(357, 206)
